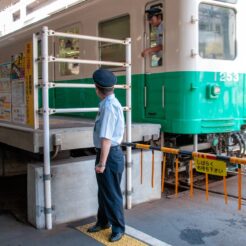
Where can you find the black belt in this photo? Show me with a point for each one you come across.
(112, 147)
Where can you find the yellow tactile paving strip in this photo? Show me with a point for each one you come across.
(103, 237)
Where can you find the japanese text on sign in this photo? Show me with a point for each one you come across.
(214, 167)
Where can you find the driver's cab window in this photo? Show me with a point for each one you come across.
(153, 51)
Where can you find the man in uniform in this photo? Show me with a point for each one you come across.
(154, 15)
(108, 134)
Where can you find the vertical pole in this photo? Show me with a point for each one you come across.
(206, 181)
(47, 177)
(35, 79)
(195, 143)
(176, 176)
(225, 190)
(153, 169)
(195, 149)
(128, 126)
(239, 187)
(163, 172)
(191, 180)
(141, 166)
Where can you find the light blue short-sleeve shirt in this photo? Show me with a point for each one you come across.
(159, 40)
(109, 122)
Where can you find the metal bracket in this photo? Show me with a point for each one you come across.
(50, 85)
(51, 33)
(51, 111)
(129, 164)
(51, 58)
(127, 41)
(42, 210)
(128, 193)
(193, 20)
(46, 177)
(193, 53)
(127, 109)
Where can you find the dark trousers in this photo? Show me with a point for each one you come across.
(110, 198)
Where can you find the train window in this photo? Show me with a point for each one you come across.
(69, 48)
(217, 32)
(118, 28)
(154, 33)
(228, 1)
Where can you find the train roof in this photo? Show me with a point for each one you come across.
(25, 31)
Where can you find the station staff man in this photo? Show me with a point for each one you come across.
(108, 134)
(155, 17)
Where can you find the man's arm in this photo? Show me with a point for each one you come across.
(105, 148)
(151, 50)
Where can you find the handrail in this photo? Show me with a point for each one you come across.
(87, 37)
(46, 85)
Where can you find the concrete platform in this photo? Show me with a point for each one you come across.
(174, 221)
(74, 187)
(69, 133)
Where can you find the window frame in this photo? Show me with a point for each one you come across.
(235, 40)
(228, 1)
(112, 68)
(58, 75)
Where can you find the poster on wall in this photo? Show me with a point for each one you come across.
(18, 89)
(18, 101)
(5, 92)
(19, 115)
(18, 66)
(29, 85)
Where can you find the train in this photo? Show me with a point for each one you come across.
(197, 94)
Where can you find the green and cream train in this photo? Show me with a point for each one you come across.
(198, 90)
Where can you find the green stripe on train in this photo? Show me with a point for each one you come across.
(182, 102)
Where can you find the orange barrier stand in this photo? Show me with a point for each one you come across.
(176, 176)
(239, 187)
(153, 169)
(163, 173)
(206, 181)
(234, 160)
(141, 167)
(225, 190)
(191, 180)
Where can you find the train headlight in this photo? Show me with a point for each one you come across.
(213, 90)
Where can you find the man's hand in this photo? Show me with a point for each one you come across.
(145, 52)
(100, 168)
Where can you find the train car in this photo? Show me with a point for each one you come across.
(197, 90)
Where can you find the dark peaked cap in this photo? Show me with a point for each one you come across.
(104, 78)
(153, 11)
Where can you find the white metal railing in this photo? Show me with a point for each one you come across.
(46, 85)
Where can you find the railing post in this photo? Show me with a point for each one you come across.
(128, 127)
(47, 176)
(35, 79)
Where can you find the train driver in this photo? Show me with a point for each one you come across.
(154, 15)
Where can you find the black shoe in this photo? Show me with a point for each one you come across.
(116, 236)
(97, 228)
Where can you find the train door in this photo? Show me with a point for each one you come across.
(154, 61)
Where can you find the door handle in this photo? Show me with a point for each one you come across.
(145, 96)
(163, 96)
